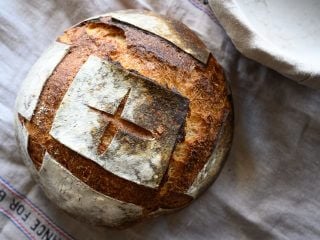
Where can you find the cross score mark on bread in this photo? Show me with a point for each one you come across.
(116, 123)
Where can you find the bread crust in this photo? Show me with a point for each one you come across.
(163, 63)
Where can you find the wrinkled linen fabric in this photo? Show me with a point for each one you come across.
(268, 188)
(281, 34)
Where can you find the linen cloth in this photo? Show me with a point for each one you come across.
(269, 186)
(281, 34)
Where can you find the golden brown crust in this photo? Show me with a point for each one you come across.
(165, 64)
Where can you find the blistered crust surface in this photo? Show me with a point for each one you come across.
(169, 29)
(211, 169)
(37, 76)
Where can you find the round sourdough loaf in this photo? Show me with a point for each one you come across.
(126, 116)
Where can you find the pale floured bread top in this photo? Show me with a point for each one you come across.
(153, 57)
